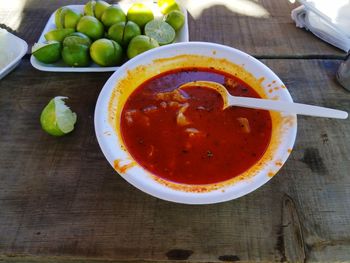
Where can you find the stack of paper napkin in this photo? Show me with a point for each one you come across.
(327, 19)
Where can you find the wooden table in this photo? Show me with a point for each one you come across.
(60, 201)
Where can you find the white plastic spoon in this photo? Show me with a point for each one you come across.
(288, 107)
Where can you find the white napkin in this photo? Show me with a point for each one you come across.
(328, 20)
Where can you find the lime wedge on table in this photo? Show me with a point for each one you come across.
(56, 118)
(47, 52)
(160, 31)
(58, 34)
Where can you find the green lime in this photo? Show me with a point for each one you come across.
(112, 15)
(77, 38)
(58, 34)
(140, 14)
(100, 7)
(48, 52)
(176, 19)
(91, 27)
(166, 6)
(140, 44)
(116, 32)
(76, 55)
(106, 52)
(123, 32)
(66, 18)
(131, 30)
(56, 118)
(58, 21)
(70, 18)
(160, 31)
(89, 8)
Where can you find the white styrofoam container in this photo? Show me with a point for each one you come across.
(12, 49)
(181, 36)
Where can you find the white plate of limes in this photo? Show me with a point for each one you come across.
(68, 43)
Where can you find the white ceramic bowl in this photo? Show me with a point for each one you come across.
(121, 84)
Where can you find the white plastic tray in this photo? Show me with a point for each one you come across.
(181, 36)
(12, 49)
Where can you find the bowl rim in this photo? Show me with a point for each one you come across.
(162, 191)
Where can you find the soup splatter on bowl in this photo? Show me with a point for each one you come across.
(179, 144)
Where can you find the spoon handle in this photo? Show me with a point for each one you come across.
(289, 107)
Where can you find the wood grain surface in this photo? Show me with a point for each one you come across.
(262, 28)
(62, 202)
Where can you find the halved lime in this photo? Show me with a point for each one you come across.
(48, 53)
(58, 34)
(160, 31)
(66, 18)
(176, 19)
(123, 32)
(56, 118)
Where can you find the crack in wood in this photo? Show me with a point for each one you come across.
(323, 244)
(290, 242)
(286, 56)
(230, 258)
(179, 254)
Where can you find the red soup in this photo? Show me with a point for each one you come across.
(185, 136)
